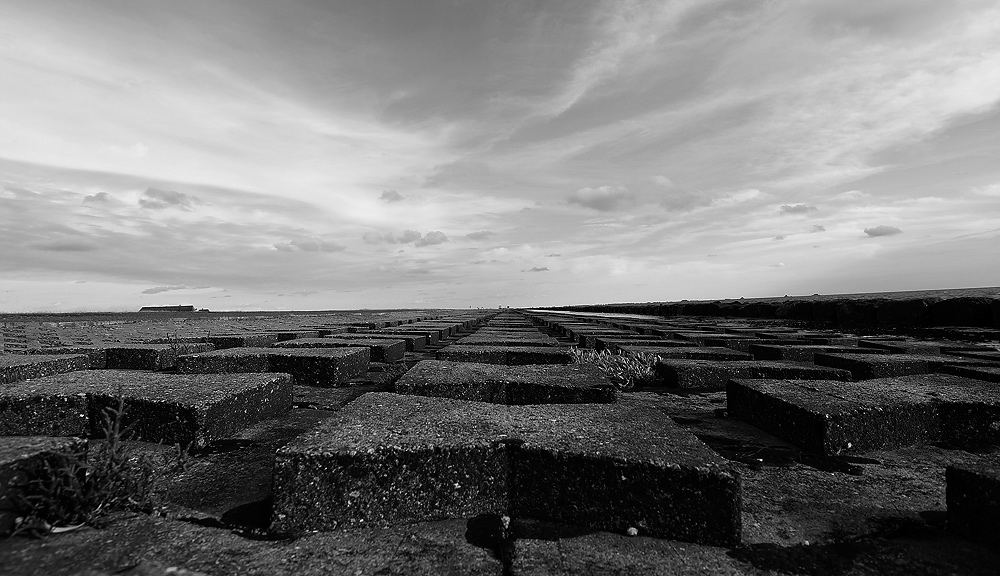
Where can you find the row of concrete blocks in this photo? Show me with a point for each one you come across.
(833, 416)
(961, 311)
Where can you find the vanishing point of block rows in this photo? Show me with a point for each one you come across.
(501, 421)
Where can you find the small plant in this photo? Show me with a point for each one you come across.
(76, 490)
(624, 370)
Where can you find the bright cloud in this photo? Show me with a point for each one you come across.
(340, 154)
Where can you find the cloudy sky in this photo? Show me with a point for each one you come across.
(319, 154)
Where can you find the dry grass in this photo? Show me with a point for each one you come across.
(624, 370)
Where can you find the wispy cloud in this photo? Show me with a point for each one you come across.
(882, 230)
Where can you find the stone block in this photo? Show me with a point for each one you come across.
(413, 342)
(513, 385)
(167, 408)
(798, 353)
(830, 417)
(508, 339)
(507, 355)
(388, 458)
(250, 340)
(688, 353)
(17, 367)
(973, 497)
(710, 375)
(987, 373)
(386, 350)
(149, 356)
(308, 366)
(864, 366)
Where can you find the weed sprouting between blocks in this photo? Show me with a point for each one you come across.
(624, 370)
(76, 489)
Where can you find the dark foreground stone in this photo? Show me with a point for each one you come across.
(22, 459)
(17, 367)
(513, 385)
(308, 366)
(167, 408)
(973, 496)
(388, 458)
(506, 355)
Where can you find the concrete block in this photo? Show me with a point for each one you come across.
(308, 366)
(830, 417)
(385, 350)
(17, 367)
(168, 408)
(710, 375)
(507, 355)
(388, 458)
(688, 353)
(149, 356)
(508, 339)
(513, 385)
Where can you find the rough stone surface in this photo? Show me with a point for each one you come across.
(688, 353)
(865, 366)
(531, 384)
(150, 356)
(389, 458)
(709, 375)
(168, 408)
(507, 355)
(380, 349)
(831, 417)
(508, 339)
(17, 367)
(308, 366)
(255, 340)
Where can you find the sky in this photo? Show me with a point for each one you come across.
(336, 154)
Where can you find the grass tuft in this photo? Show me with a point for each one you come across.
(624, 370)
(81, 489)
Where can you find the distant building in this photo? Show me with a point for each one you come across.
(167, 309)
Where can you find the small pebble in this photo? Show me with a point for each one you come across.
(632, 531)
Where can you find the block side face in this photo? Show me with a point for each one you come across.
(665, 500)
(23, 459)
(18, 367)
(269, 398)
(322, 367)
(388, 486)
(229, 360)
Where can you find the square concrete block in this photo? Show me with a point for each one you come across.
(507, 355)
(710, 375)
(385, 350)
(308, 366)
(169, 408)
(389, 458)
(17, 367)
(831, 416)
(513, 385)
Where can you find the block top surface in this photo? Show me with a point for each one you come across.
(188, 389)
(626, 430)
(447, 373)
(12, 360)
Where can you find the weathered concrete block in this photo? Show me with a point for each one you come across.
(508, 339)
(250, 340)
(688, 353)
(864, 366)
(973, 496)
(799, 353)
(385, 350)
(513, 385)
(167, 408)
(388, 458)
(149, 356)
(714, 375)
(308, 366)
(987, 373)
(830, 417)
(17, 367)
(507, 355)
(414, 342)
